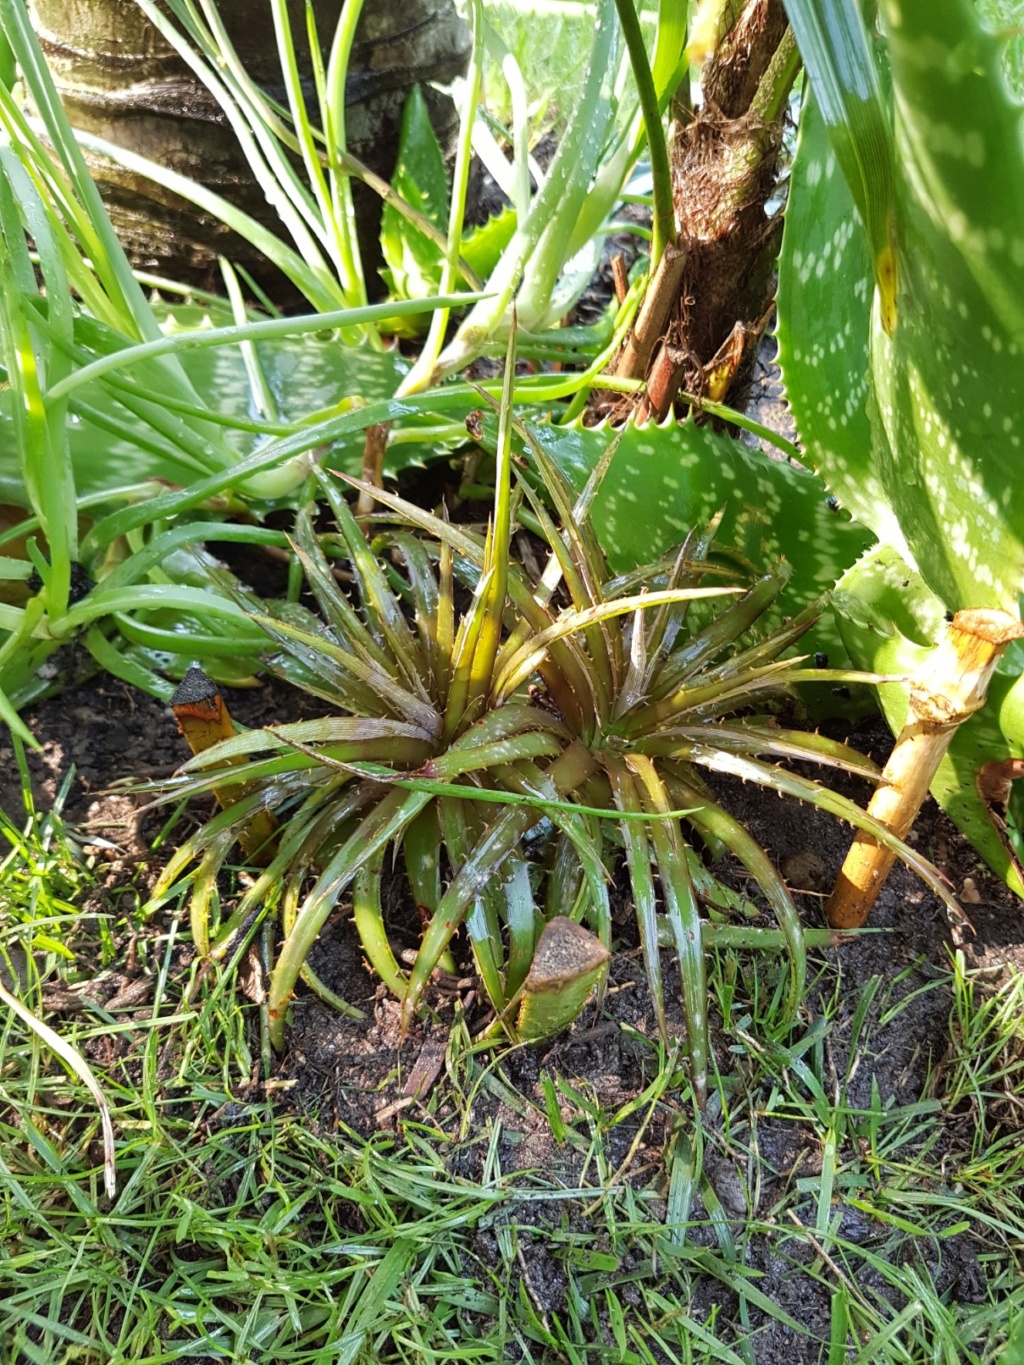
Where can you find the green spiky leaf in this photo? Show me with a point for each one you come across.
(664, 480)
(413, 259)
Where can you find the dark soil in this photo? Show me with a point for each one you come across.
(353, 1074)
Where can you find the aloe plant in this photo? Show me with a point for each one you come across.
(454, 736)
(901, 324)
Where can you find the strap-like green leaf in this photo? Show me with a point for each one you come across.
(835, 49)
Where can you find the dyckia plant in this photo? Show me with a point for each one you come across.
(456, 734)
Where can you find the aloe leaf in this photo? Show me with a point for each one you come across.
(520, 912)
(518, 668)
(535, 254)
(506, 722)
(377, 829)
(413, 259)
(457, 762)
(482, 246)
(425, 597)
(760, 739)
(569, 962)
(639, 857)
(572, 820)
(368, 917)
(709, 819)
(335, 607)
(722, 631)
(571, 679)
(493, 601)
(825, 292)
(461, 830)
(480, 868)
(925, 462)
(948, 383)
(500, 837)
(31, 366)
(834, 45)
(219, 833)
(683, 915)
(483, 929)
(329, 730)
(564, 566)
(564, 881)
(662, 481)
(204, 888)
(383, 689)
(890, 621)
(791, 784)
(422, 849)
(381, 609)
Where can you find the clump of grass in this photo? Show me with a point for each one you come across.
(219, 1244)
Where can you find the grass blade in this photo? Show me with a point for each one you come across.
(76, 1063)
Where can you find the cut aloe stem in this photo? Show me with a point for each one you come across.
(568, 963)
(949, 688)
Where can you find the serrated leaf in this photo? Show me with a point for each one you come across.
(483, 245)
(663, 481)
(413, 260)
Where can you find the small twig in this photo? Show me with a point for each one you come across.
(663, 384)
(620, 279)
(374, 451)
(660, 297)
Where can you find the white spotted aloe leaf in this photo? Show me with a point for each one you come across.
(665, 478)
(910, 408)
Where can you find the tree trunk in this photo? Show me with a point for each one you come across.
(119, 80)
(707, 307)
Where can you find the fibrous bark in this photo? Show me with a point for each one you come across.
(724, 168)
(119, 79)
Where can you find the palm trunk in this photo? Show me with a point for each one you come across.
(120, 80)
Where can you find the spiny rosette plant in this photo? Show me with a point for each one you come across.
(593, 701)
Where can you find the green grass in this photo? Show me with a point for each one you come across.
(246, 1230)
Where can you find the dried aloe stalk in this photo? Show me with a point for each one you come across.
(949, 689)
